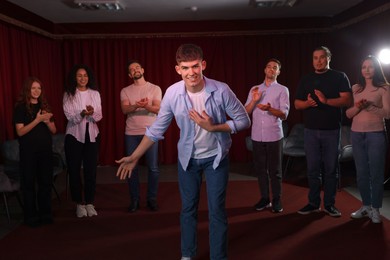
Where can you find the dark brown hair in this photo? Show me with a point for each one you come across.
(276, 61)
(188, 52)
(71, 84)
(324, 48)
(379, 79)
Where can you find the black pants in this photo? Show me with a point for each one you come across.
(36, 170)
(267, 157)
(78, 153)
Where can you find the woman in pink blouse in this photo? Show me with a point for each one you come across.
(82, 108)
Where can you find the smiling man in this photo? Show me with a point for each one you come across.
(201, 107)
(269, 104)
(321, 95)
(140, 103)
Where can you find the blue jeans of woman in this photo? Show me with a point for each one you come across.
(190, 181)
(369, 152)
(322, 151)
(151, 156)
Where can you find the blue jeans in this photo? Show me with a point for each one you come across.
(369, 152)
(151, 156)
(322, 151)
(190, 181)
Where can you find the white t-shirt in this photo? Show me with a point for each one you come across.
(205, 142)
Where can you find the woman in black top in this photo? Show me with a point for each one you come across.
(34, 126)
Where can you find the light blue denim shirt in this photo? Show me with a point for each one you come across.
(220, 102)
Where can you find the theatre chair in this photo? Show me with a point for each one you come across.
(248, 143)
(345, 151)
(10, 155)
(9, 173)
(9, 187)
(293, 146)
(59, 161)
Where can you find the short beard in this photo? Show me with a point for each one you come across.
(137, 76)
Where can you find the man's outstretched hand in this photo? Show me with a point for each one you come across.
(126, 167)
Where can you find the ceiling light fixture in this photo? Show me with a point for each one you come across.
(272, 3)
(111, 5)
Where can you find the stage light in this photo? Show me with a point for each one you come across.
(272, 3)
(111, 5)
(384, 56)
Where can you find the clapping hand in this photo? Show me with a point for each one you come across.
(143, 102)
(310, 101)
(264, 107)
(88, 111)
(44, 116)
(362, 104)
(321, 96)
(256, 95)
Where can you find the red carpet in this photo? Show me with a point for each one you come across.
(116, 234)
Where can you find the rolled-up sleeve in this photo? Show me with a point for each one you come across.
(239, 118)
(285, 101)
(156, 131)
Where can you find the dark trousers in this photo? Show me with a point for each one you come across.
(267, 158)
(36, 170)
(78, 153)
(322, 152)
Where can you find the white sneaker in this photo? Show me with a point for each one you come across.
(364, 211)
(81, 211)
(91, 210)
(186, 258)
(376, 216)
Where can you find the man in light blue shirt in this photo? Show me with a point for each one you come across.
(269, 104)
(200, 106)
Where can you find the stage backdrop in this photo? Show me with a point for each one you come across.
(238, 60)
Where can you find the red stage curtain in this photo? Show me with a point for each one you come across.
(24, 54)
(236, 60)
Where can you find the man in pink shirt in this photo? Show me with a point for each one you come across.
(140, 102)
